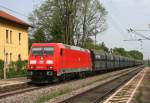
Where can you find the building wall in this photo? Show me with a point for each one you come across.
(16, 47)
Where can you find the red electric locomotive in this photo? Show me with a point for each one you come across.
(48, 61)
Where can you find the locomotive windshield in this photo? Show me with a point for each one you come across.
(42, 50)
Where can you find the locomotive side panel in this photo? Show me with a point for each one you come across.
(75, 61)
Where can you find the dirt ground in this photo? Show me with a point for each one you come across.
(143, 93)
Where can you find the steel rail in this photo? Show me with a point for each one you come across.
(101, 96)
(29, 88)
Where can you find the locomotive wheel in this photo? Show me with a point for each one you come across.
(82, 75)
(56, 79)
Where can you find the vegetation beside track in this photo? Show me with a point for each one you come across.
(53, 95)
(139, 96)
(68, 89)
(14, 69)
(65, 90)
(142, 94)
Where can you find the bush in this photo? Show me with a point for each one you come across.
(1, 68)
(13, 74)
(19, 65)
(1, 64)
(1, 73)
(16, 69)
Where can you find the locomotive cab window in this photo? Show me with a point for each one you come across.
(42, 51)
(37, 51)
(48, 50)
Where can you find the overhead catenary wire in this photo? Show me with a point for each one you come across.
(16, 12)
(116, 24)
(135, 30)
(142, 30)
(139, 34)
(135, 39)
(138, 40)
(35, 5)
(120, 25)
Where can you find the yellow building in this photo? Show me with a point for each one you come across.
(13, 38)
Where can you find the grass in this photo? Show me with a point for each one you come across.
(59, 93)
(15, 69)
(52, 95)
(139, 96)
(63, 91)
(1, 74)
(14, 74)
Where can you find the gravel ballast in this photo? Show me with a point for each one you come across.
(44, 94)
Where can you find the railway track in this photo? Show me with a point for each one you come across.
(9, 88)
(126, 92)
(14, 92)
(29, 88)
(99, 93)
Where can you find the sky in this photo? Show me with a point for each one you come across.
(122, 15)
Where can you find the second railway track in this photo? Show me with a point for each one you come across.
(99, 93)
(29, 88)
(20, 90)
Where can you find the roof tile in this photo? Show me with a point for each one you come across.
(11, 18)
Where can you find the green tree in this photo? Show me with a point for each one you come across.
(131, 54)
(103, 46)
(120, 51)
(39, 38)
(67, 21)
(1, 68)
(90, 44)
(136, 54)
(92, 19)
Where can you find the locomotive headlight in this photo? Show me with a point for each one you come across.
(49, 62)
(32, 61)
(50, 67)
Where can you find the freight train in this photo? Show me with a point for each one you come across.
(51, 61)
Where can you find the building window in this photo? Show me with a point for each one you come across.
(19, 57)
(6, 58)
(10, 36)
(7, 36)
(19, 38)
(10, 57)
